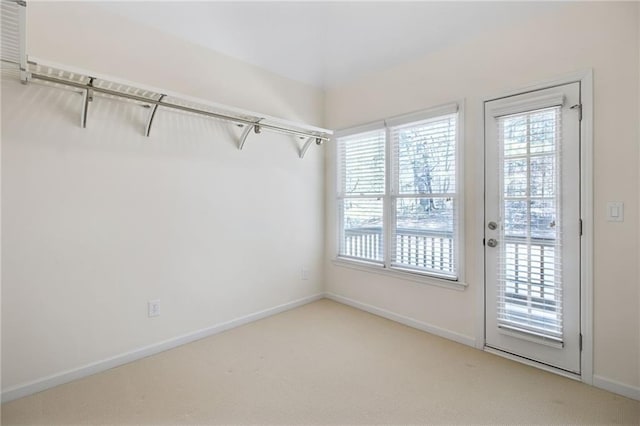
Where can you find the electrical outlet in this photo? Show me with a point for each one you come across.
(304, 274)
(153, 308)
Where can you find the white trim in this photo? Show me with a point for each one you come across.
(461, 233)
(389, 197)
(389, 219)
(539, 102)
(585, 78)
(544, 84)
(336, 202)
(33, 61)
(363, 128)
(568, 210)
(426, 114)
(22, 34)
(623, 389)
(532, 363)
(586, 209)
(402, 119)
(479, 223)
(420, 325)
(56, 379)
(417, 277)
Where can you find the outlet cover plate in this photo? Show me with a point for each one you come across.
(615, 211)
(153, 308)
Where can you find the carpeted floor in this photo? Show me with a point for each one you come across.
(323, 363)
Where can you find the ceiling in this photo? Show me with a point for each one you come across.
(327, 43)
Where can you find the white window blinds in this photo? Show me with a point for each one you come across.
(398, 193)
(361, 168)
(530, 282)
(424, 198)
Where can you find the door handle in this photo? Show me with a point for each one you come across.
(492, 242)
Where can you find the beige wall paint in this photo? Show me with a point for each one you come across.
(580, 36)
(89, 37)
(98, 221)
(85, 211)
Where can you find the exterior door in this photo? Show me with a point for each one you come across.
(533, 227)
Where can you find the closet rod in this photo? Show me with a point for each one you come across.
(142, 99)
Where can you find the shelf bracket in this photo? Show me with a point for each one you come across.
(87, 97)
(308, 143)
(22, 42)
(89, 84)
(245, 133)
(306, 146)
(154, 108)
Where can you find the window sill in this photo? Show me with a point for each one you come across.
(399, 274)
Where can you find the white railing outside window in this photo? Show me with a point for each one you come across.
(398, 193)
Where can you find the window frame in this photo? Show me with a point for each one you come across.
(386, 267)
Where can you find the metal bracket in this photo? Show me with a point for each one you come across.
(246, 120)
(579, 108)
(580, 341)
(245, 133)
(307, 144)
(152, 115)
(87, 97)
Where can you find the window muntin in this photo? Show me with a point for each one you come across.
(398, 199)
(424, 199)
(530, 282)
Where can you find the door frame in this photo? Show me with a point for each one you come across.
(585, 78)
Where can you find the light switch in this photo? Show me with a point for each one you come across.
(615, 211)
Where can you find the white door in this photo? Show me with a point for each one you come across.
(532, 229)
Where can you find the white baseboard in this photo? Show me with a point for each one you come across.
(629, 391)
(26, 389)
(456, 337)
(106, 364)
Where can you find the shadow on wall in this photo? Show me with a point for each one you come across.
(88, 41)
(172, 129)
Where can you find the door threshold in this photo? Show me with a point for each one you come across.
(532, 363)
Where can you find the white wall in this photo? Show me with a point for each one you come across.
(97, 221)
(579, 36)
(90, 37)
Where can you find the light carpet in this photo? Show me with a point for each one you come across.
(323, 363)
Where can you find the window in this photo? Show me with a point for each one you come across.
(398, 193)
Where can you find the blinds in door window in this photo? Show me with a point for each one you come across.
(361, 190)
(424, 196)
(530, 264)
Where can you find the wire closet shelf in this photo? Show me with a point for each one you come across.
(91, 84)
